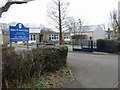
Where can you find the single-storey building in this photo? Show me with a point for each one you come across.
(49, 35)
(42, 34)
(93, 32)
(1, 41)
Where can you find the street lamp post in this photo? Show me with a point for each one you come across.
(80, 32)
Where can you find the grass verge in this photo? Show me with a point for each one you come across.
(49, 80)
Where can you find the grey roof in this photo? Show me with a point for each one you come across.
(47, 31)
(89, 28)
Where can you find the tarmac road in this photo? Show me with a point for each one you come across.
(94, 71)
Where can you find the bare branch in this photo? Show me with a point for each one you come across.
(114, 23)
(58, 14)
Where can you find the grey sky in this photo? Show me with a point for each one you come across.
(92, 11)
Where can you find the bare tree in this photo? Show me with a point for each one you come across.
(70, 24)
(115, 24)
(57, 12)
(103, 26)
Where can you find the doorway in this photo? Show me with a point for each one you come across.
(40, 38)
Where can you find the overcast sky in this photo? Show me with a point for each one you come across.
(92, 11)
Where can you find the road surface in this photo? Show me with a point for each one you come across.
(94, 71)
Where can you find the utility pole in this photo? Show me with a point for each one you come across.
(80, 32)
(108, 33)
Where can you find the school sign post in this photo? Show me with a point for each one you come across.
(19, 33)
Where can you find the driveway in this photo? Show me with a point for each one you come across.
(94, 71)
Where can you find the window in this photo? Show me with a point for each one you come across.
(53, 37)
(66, 36)
(50, 37)
(33, 37)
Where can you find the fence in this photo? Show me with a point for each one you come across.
(84, 45)
(109, 46)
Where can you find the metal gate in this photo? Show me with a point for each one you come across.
(84, 45)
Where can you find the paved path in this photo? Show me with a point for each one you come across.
(21, 47)
(94, 71)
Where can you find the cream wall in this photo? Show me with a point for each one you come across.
(99, 33)
(89, 34)
(6, 39)
(1, 41)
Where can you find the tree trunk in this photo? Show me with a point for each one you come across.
(60, 25)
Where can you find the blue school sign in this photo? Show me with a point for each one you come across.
(19, 33)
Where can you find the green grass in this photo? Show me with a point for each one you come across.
(39, 84)
(25, 86)
(44, 82)
(50, 80)
(118, 53)
(64, 70)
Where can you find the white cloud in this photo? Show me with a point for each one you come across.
(2, 2)
(32, 12)
(93, 11)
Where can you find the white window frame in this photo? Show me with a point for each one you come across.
(53, 37)
(66, 36)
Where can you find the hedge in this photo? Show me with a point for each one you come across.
(18, 67)
(112, 46)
